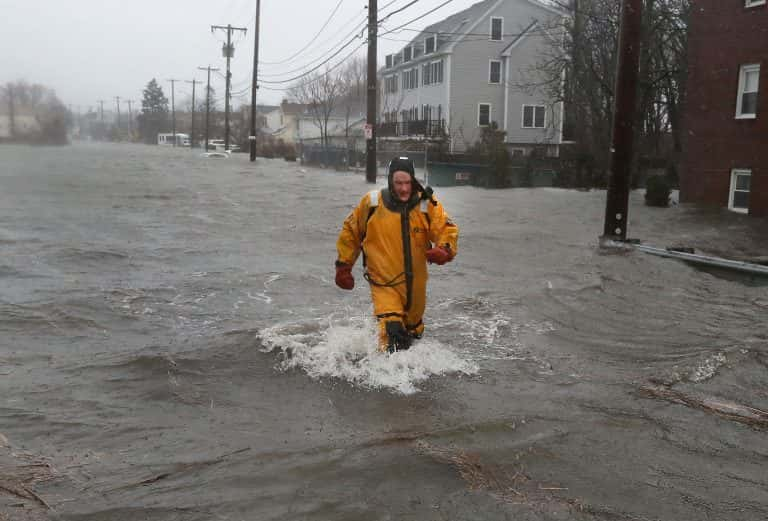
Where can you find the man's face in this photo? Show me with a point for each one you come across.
(403, 187)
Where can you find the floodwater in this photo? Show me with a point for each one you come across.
(172, 347)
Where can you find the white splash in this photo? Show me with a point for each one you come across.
(708, 368)
(347, 349)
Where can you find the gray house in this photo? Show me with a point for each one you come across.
(463, 73)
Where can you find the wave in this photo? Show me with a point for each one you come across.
(347, 349)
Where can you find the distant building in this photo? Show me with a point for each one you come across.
(295, 124)
(23, 125)
(458, 76)
(726, 118)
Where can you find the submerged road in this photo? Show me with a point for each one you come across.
(172, 347)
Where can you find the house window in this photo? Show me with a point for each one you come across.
(426, 74)
(437, 71)
(738, 200)
(497, 28)
(484, 114)
(429, 45)
(388, 61)
(411, 79)
(746, 101)
(533, 116)
(753, 3)
(494, 73)
(390, 84)
(407, 54)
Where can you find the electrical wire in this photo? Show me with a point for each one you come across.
(290, 80)
(417, 18)
(357, 29)
(327, 21)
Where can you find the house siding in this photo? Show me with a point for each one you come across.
(723, 36)
(470, 85)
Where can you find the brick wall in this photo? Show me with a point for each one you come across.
(724, 35)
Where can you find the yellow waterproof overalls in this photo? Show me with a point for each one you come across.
(394, 238)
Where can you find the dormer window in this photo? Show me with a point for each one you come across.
(388, 61)
(497, 28)
(407, 54)
(429, 45)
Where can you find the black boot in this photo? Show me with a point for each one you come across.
(399, 339)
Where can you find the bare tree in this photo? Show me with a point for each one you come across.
(582, 73)
(320, 92)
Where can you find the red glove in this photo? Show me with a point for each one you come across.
(439, 255)
(344, 278)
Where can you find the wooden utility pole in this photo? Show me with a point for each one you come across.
(117, 99)
(11, 111)
(130, 119)
(617, 202)
(173, 109)
(192, 131)
(208, 104)
(255, 84)
(229, 52)
(371, 94)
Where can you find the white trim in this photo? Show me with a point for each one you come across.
(506, 95)
(490, 29)
(448, 94)
(743, 71)
(533, 119)
(490, 112)
(734, 173)
(753, 3)
(490, 70)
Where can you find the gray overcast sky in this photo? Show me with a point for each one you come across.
(98, 49)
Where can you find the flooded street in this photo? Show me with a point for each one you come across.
(173, 347)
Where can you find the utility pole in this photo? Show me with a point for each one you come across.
(208, 104)
(617, 202)
(255, 85)
(192, 131)
(173, 109)
(130, 120)
(229, 51)
(11, 111)
(117, 99)
(371, 95)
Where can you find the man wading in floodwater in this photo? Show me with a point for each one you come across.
(399, 229)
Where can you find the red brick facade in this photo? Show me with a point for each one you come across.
(723, 35)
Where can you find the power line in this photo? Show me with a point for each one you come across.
(327, 21)
(397, 11)
(417, 18)
(337, 65)
(307, 73)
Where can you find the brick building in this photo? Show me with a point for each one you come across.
(726, 118)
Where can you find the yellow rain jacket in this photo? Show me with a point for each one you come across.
(394, 238)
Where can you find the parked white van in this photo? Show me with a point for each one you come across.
(182, 140)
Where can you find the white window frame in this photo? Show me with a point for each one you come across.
(410, 58)
(735, 173)
(490, 29)
(388, 61)
(490, 112)
(533, 119)
(743, 71)
(490, 72)
(434, 44)
(753, 3)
